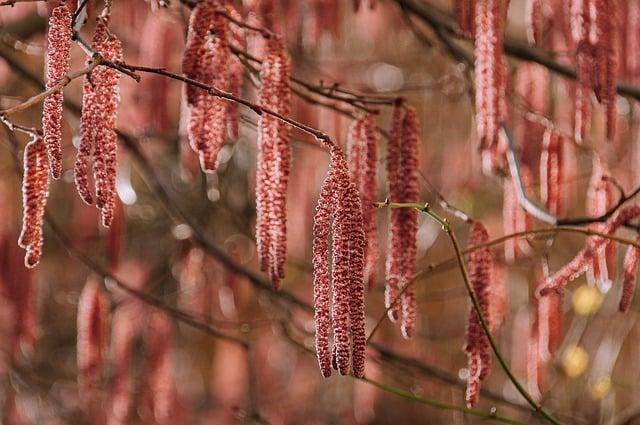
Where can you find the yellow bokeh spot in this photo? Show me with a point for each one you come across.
(574, 361)
(586, 300)
(600, 387)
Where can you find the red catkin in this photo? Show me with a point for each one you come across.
(339, 210)
(274, 162)
(515, 219)
(630, 271)
(101, 96)
(208, 115)
(465, 16)
(402, 179)
(200, 21)
(57, 66)
(490, 78)
(362, 155)
(551, 172)
(477, 347)
(35, 190)
(91, 339)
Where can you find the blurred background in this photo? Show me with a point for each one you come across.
(386, 51)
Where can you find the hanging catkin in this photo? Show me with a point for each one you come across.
(35, 190)
(490, 78)
(91, 339)
(339, 295)
(630, 272)
(600, 198)
(200, 21)
(402, 179)
(551, 172)
(208, 114)
(274, 162)
(593, 26)
(477, 347)
(362, 155)
(57, 66)
(100, 99)
(465, 16)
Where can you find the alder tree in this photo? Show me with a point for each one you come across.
(319, 211)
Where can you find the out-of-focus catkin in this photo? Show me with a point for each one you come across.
(402, 181)
(35, 190)
(91, 339)
(362, 142)
(57, 66)
(630, 274)
(551, 172)
(477, 347)
(339, 214)
(274, 162)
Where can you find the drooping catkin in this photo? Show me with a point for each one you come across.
(600, 197)
(630, 272)
(339, 214)
(362, 155)
(593, 26)
(477, 347)
(490, 78)
(101, 97)
(515, 219)
(465, 16)
(551, 172)
(91, 339)
(274, 162)
(57, 66)
(35, 190)
(208, 115)
(200, 21)
(402, 180)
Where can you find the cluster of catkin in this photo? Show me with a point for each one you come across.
(156, 390)
(477, 347)
(273, 162)
(207, 59)
(594, 247)
(44, 153)
(361, 152)
(339, 290)
(593, 27)
(98, 138)
(402, 179)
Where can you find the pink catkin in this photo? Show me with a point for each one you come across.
(480, 264)
(208, 115)
(200, 22)
(123, 335)
(490, 78)
(101, 96)
(340, 201)
(57, 66)
(35, 190)
(274, 162)
(159, 392)
(465, 16)
(91, 339)
(515, 219)
(630, 271)
(551, 172)
(362, 154)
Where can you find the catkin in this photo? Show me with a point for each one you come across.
(57, 66)
(91, 339)
(274, 162)
(477, 347)
(402, 179)
(35, 190)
